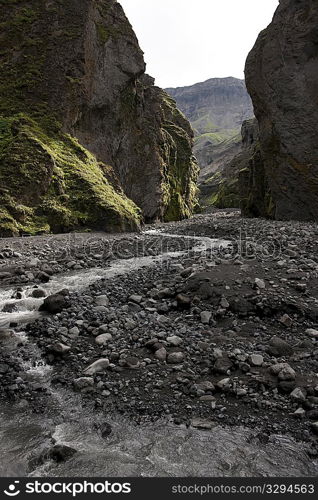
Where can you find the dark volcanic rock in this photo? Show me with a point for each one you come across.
(282, 79)
(55, 303)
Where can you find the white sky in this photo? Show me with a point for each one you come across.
(189, 41)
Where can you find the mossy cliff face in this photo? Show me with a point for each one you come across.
(48, 182)
(73, 100)
(282, 79)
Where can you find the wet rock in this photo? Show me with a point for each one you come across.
(38, 293)
(58, 453)
(98, 366)
(9, 308)
(201, 423)
(6, 334)
(105, 429)
(60, 348)
(43, 277)
(55, 303)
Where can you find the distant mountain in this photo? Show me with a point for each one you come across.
(216, 109)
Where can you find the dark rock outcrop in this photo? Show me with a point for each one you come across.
(282, 79)
(83, 130)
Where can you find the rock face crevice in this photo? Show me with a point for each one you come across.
(282, 79)
(72, 70)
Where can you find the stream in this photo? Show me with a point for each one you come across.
(157, 449)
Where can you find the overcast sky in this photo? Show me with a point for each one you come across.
(189, 41)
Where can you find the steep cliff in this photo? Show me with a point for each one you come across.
(216, 109)
(282, 79)
(81, 124)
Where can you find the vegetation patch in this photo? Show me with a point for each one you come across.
(54, 184)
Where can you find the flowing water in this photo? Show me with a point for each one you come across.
(160, 449)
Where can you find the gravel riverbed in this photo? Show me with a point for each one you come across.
(199, 334)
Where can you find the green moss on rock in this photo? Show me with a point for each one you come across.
(49, 182)
(180, 170)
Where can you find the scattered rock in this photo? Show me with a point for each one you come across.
(206, 317)
(286, 320)
(161, 354)
(256, 360)
(103, 338)
(175, 358)
(83, 383)
(98, 366)
(279, 347)
(55, 303)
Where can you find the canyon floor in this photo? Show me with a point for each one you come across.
(188, 349)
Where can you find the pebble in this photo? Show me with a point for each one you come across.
(161, 354)
(206, 317)
(175, 358)
(174, 340)
(256, 360)
(98, 366)
(259, 283)
(298, 395)
(312, 333)
(103, 338)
